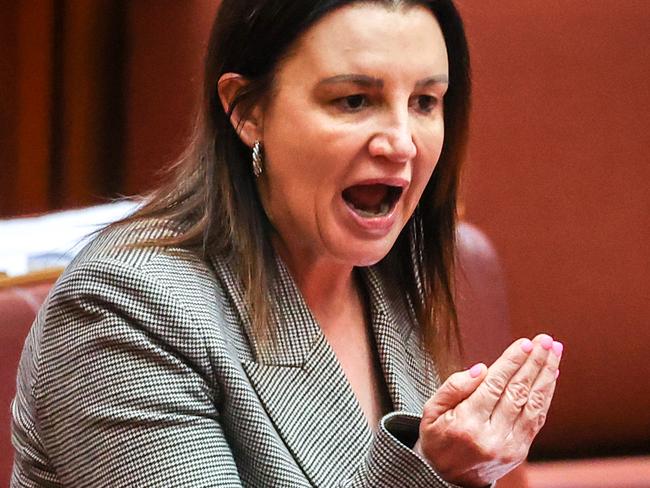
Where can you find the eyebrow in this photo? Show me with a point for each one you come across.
(372, 82)
(363, 80)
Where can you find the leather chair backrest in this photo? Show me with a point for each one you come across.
(480, 297)
(18, 307)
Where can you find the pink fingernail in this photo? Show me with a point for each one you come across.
(546, 342)
(557, 373)
(527, 345)
(558, 347)
(476, 370)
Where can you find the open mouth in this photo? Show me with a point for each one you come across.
(371, 201)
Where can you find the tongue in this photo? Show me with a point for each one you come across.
(366, 197)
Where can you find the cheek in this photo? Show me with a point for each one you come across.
(301, 141)
(429, 154)
(298, 177)
(425, 166)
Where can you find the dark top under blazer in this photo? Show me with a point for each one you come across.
(141, 370)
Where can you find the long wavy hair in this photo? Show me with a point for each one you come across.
(211, 199)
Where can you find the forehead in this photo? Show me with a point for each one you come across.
(370, 37)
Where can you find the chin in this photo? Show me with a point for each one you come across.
(366, 254)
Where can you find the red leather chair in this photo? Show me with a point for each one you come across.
(480, 297)
(18, 307)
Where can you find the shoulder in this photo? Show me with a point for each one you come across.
(129, 340)
(127, 246)
(119, 263)
(117, 301)
(115, 289)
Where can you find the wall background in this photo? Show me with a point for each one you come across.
(95, 96)
(558, 176)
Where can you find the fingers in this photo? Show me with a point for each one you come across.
(457, 388)
(487, 395)
(517, 392)
(532, 417)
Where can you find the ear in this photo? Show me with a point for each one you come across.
(248, 126)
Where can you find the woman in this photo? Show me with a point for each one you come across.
(280, 313)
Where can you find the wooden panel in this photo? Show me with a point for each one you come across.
(44, 275)
(62, 128)
(79, 129)
(166, 55)
(28, 190)
(91, 128)
(8, 102)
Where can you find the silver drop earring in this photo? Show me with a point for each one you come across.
(257, 159)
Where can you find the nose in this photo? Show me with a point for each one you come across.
(394, 140)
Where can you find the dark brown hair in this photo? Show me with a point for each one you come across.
(212, 201)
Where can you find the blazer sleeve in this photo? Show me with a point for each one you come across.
(391, 462)
(123, 390)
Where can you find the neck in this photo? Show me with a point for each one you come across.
(327, 286)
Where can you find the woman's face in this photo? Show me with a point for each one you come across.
(353, 132)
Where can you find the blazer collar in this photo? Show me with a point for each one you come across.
(295, 331)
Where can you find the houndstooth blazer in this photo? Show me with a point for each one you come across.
(141, 370)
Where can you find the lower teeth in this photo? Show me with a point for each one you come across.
(384, 208)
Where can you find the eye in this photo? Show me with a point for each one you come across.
(353, 103)
(426, 103)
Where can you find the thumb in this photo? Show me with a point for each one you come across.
(457, 388)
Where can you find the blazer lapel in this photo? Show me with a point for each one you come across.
(302, 387)
(409, 373)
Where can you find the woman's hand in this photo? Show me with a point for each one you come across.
(480, 423)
